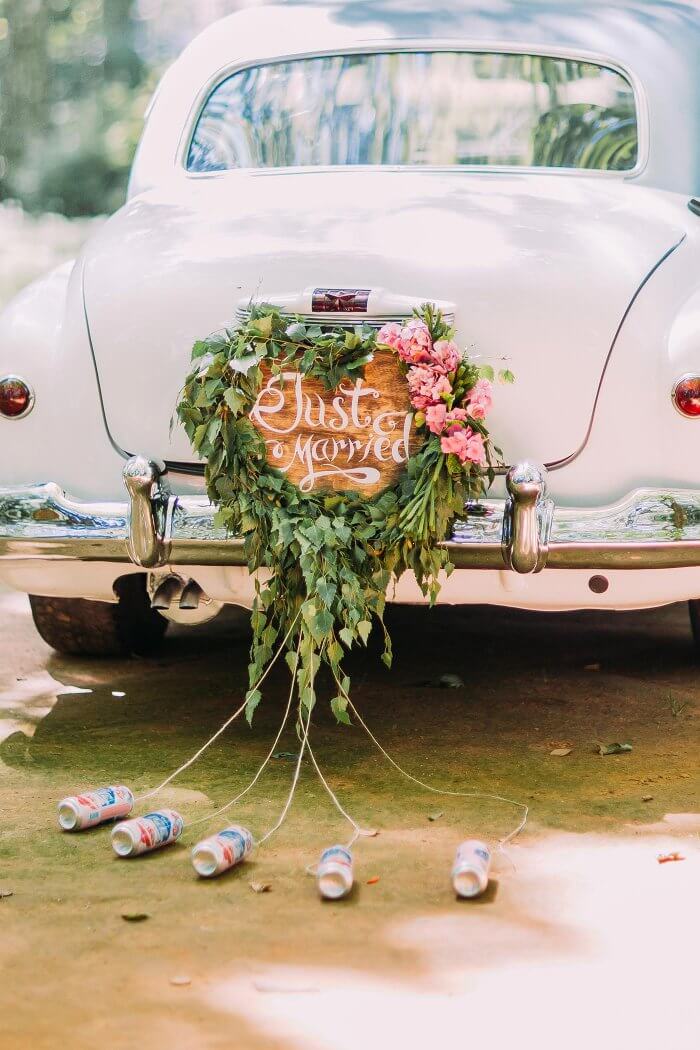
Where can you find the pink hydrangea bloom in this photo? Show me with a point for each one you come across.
(416, 343)
(465, 444)
(390, 335)
(426, 386)
(480, 398)
(435, 417)
(445, 356)
(438, 418)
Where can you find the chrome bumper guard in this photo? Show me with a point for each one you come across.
(649, 529)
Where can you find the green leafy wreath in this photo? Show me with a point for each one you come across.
(330, 556)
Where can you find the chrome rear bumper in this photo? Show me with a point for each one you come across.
(648, 529)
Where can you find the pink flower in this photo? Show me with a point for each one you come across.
(476, 452)
(438, 418)
(416, 343)
(435, 417)
(480, 399)
(465, 444)
(426, 386)
(455, 441)
(445, 356)
(390, 335)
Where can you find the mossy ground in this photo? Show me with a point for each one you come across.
(260, 964)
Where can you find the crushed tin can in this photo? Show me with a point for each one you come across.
(143, 834)
(470, 871)
(334, 876)
(94, 807)
(222, 851)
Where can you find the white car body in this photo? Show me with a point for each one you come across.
(585, 284)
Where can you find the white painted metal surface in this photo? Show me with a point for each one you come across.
(588, 288)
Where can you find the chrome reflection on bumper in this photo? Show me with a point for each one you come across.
(649, 529)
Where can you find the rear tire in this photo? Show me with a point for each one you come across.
(79, 627)
(694, 610)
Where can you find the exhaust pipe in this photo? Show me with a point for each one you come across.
(167, 592)
(191, 596)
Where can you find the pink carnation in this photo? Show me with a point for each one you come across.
(476, 452)
(465, 444)
(438, 418)
(426, 386)
(445, 356)
(480, 398)
(416, 343)
(390, 335)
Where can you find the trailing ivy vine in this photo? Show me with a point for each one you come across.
(330, 556)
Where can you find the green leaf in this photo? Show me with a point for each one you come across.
(364, 628)
(326, 590)
(322, 624)
(253, 698)
(346, 636)
(263, 326)
(339, 707)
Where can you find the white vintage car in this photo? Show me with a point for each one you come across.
(531, 167)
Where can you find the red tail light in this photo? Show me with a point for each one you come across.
(16, 397)
(686, 396)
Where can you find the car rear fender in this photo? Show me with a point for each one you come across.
(43, 339)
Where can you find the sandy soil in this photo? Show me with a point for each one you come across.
(582, 939)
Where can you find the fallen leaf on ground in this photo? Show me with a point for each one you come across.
(614, 749)
(5, 893)
(647, 798)
(181, 981)
(561, 752)
(284, 754)
(135, 916)
(261, 887)
(592, 667)
(435, 816)
(666, 858)
(450, 681)
(373, 880)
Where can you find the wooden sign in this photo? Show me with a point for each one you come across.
(355, 438)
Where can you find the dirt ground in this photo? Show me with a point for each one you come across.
(583, 938)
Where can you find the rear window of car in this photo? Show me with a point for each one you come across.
(419, 108)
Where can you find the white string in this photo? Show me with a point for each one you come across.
(295, 780)
(440, 791)
(218, 812)
(224, 727)
(358, 832)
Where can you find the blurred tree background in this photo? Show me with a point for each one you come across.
(75, 79)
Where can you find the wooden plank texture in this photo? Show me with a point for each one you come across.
(355, 438)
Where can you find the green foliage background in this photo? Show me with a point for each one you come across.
(75, 79)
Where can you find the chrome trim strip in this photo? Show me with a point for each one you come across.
(648, 529)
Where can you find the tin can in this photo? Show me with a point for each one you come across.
(222, 851)
(334, 873)
(94, 807)
(470, 872)
(143, 834)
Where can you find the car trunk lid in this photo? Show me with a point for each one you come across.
(539, 270)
